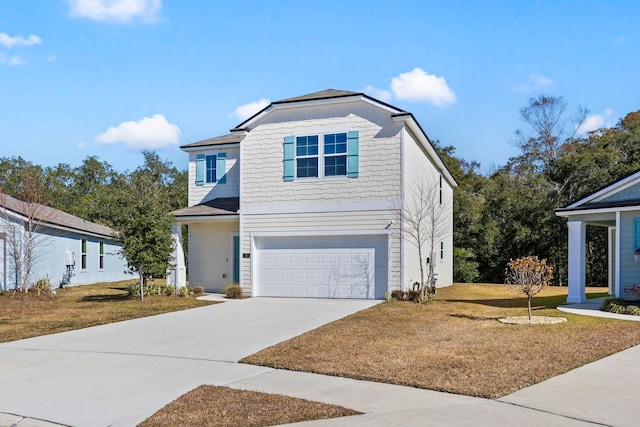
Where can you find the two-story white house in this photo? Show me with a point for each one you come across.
(304, 199)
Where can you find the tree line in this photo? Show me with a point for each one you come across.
(509, 213)
(136, 204)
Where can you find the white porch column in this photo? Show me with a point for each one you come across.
(177, 273)
(577, 257)
(611, 265)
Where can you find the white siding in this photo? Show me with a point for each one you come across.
(379, 157)
(231, 188)
(417, 166)
(211, 254)
(329, 223)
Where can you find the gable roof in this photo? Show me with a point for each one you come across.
(323, 94)
(596, 198)
(53, 217)
(333, 95)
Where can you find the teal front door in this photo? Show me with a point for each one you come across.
(236, 259)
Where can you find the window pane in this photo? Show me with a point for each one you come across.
(313, 145)
(335, 166)
(335, 143)
(307, 167)
(84, 246)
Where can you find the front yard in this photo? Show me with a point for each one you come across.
(455, 344)
(77, 307)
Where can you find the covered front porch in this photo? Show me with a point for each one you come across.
(214, 242)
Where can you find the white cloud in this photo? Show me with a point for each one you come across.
(540, 82)
(117, 11)
(9, 42)
(147, 133)
(596, 121)
(245, 111)
(381, 94)
(535, 83)
(15, 60)
(82, 144)
(418, 85)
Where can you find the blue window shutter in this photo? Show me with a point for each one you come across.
(353, 162)
(636, 233)
(221, 168)
(289, 158)
(200, 169)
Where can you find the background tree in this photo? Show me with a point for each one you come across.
(144, 223)
(22, 225)
(425, 223)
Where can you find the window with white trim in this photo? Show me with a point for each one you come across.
(101, 257)
(307, 156)
(441, 250)
(83, 258)
(210, 168)
(335, 154)
(332, 162)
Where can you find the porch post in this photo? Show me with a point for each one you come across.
(177, 273)
(577, 257)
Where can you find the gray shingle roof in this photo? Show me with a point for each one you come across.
(215, 207)
(219, 140)
(48, 215)
(323, 94)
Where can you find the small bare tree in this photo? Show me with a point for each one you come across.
(528, 276)
(21, 221)
(425, 222)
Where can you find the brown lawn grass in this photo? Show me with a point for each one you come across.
(227, 407)
(455, 344)
(76, 307)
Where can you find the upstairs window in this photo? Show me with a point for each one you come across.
(210, 168)
(335, 154)
(319, 156)
(307, 156)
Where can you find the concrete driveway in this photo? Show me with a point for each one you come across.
(121, 373)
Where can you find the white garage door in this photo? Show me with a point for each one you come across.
(322, 267)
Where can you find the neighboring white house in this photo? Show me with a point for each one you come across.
(304, 198)
(616, 207)
(60, 239)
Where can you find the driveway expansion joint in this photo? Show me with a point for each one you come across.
(595, 423)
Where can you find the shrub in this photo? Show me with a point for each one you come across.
(465, 268)
(153, 289)
(617, 306)
(413, 296)
(169, 290)
(198, 290)
(233, 291)
(397, 295)
(633, 310)
(133, 289)
(184, 291)
(43, 287)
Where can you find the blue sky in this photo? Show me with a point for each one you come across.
(108, 78)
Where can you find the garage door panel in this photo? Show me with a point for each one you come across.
(324, 270)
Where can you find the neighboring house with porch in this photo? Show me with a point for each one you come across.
(60, 242)
(616, 207)
(303, 199)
